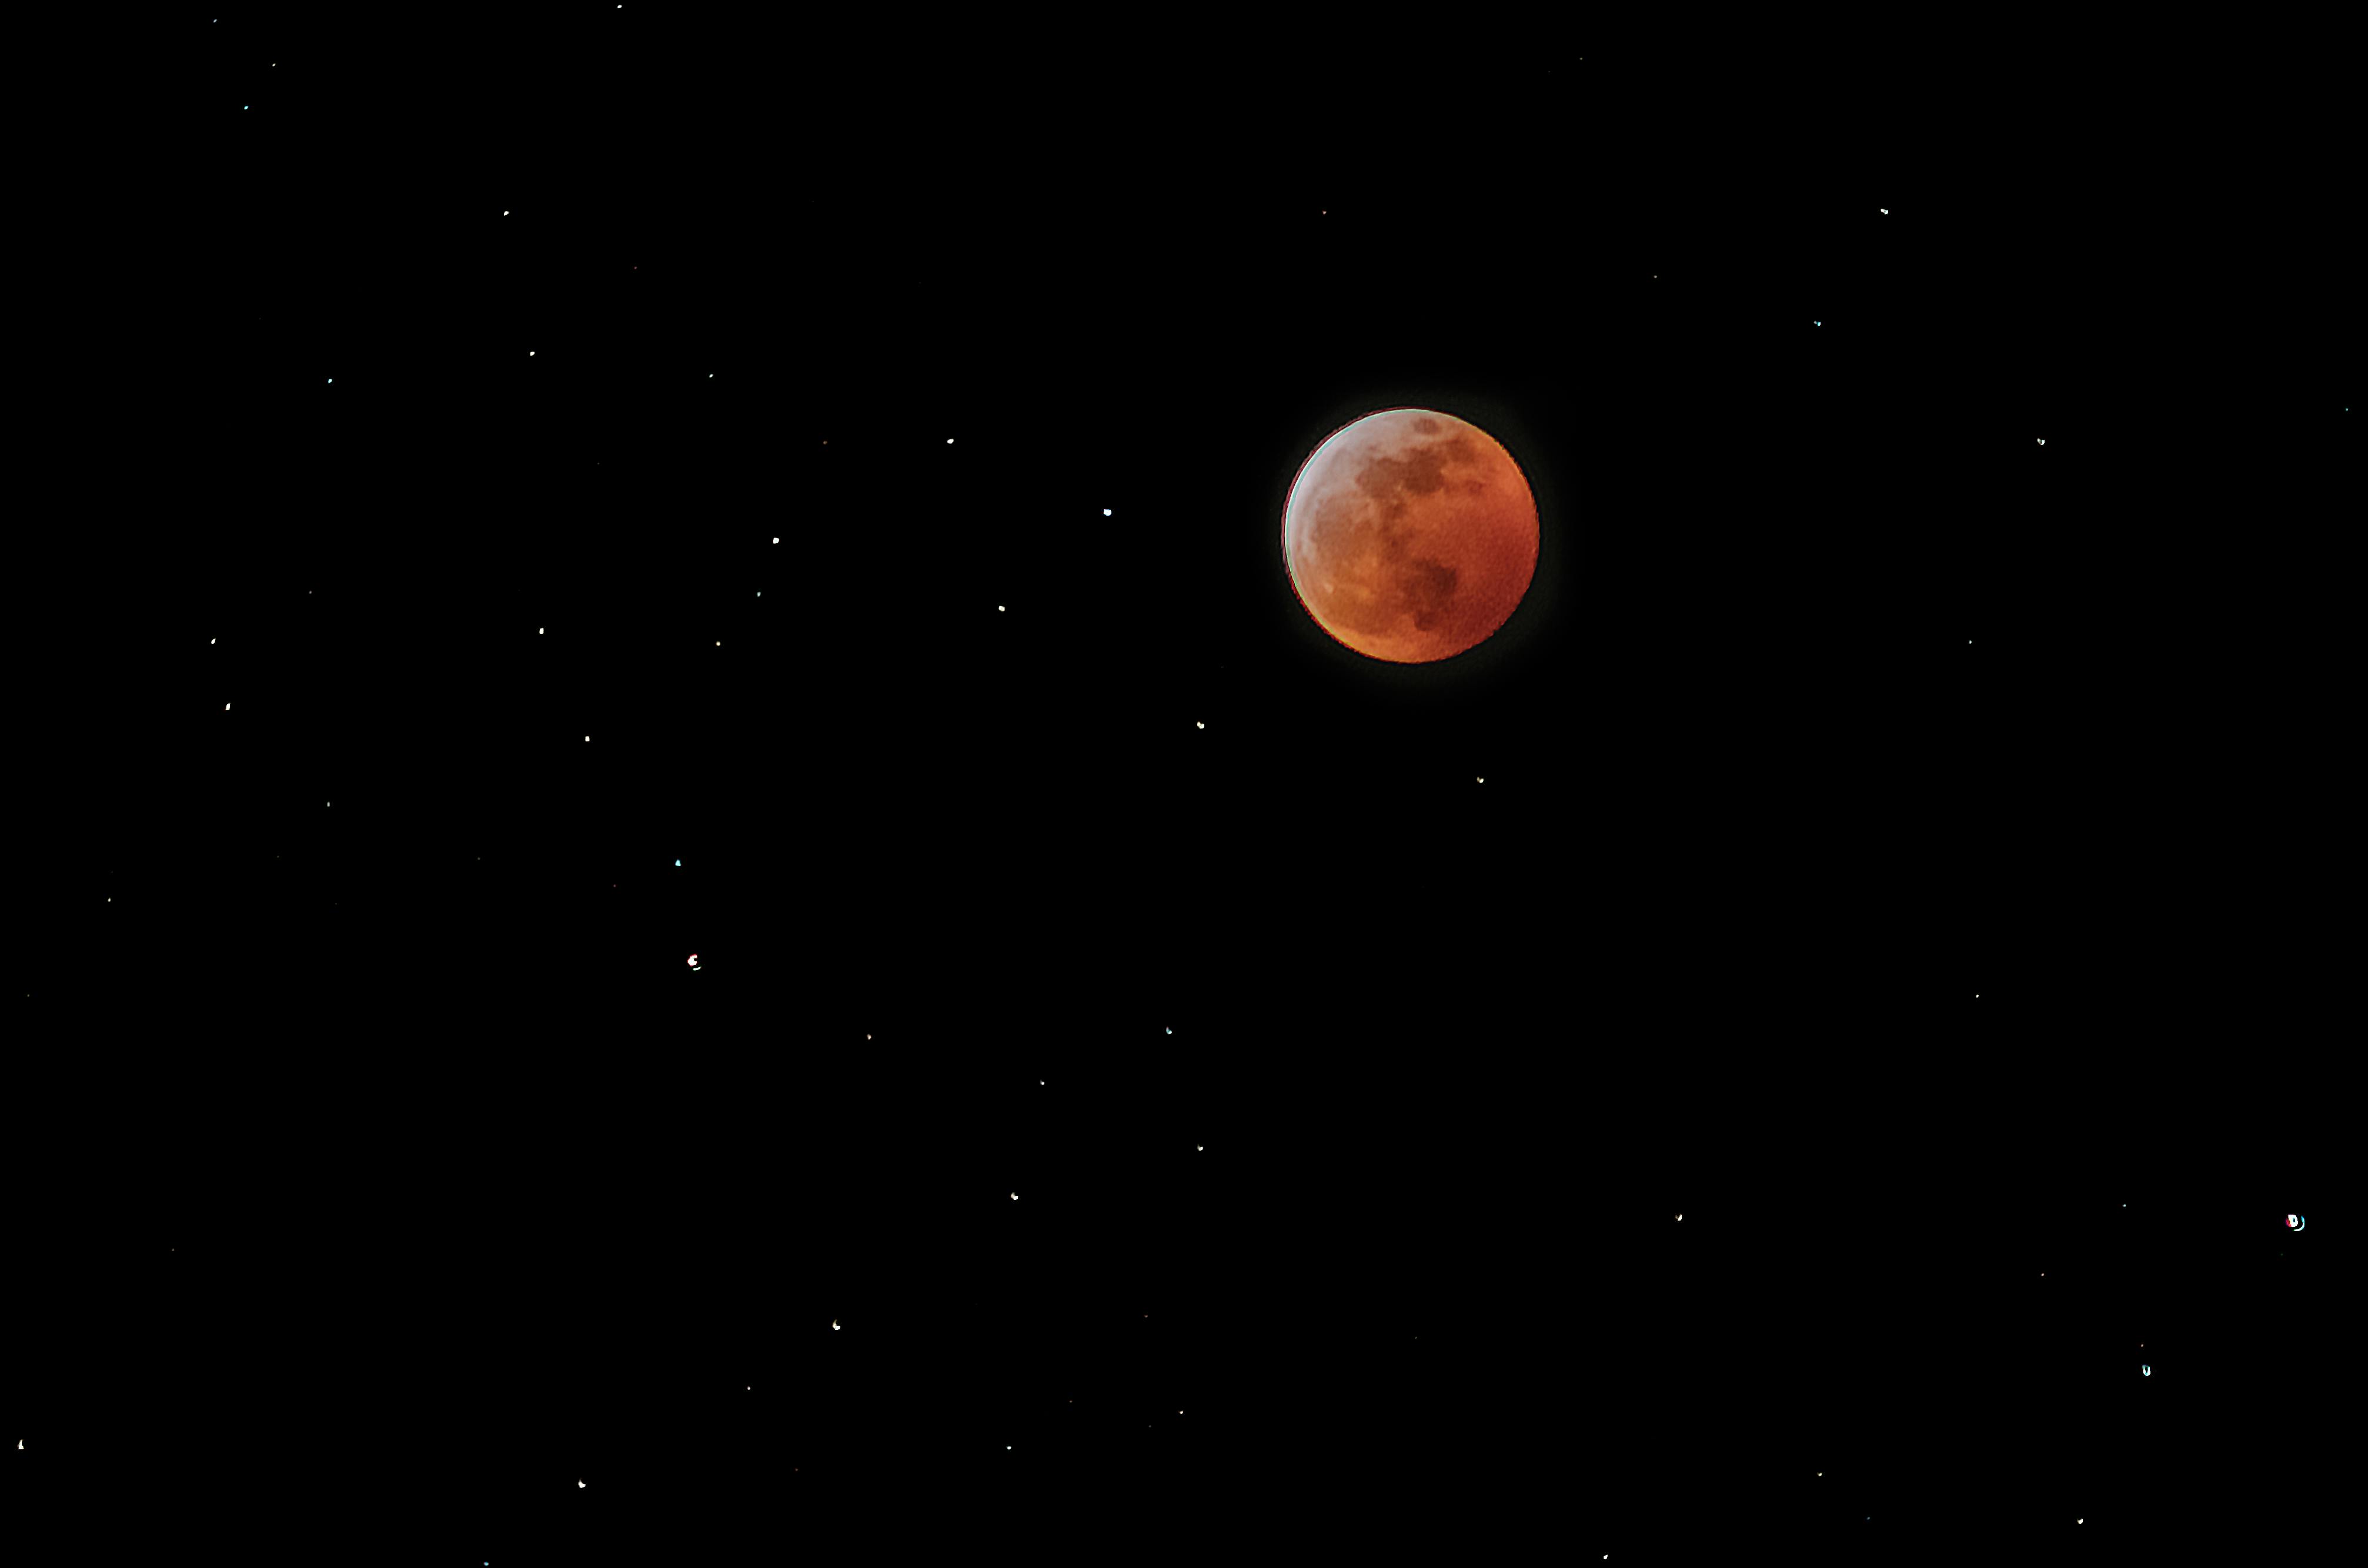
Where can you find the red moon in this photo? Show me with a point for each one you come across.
(1410, 536)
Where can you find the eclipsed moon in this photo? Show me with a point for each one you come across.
(1410, 536)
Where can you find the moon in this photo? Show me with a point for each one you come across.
(1410, 536)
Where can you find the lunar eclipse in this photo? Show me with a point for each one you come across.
(1410, 536)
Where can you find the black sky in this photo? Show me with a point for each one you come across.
(1902, 844)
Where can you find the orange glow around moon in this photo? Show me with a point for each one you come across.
(1410, 536)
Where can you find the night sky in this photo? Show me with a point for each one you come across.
(692, 890)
